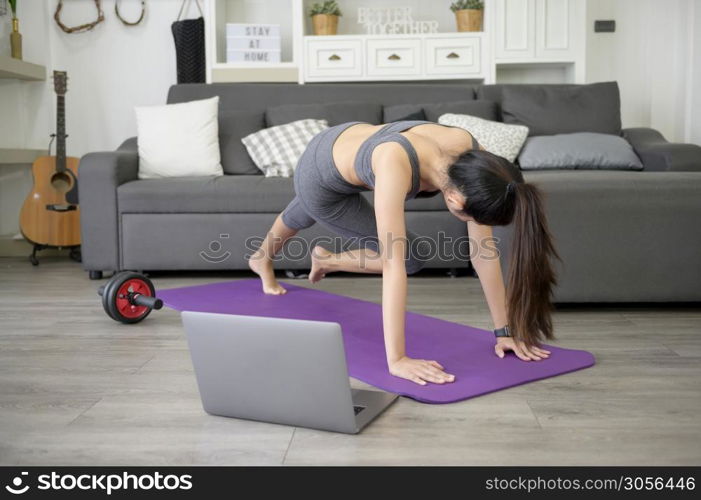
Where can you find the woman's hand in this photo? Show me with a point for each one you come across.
(420, 371)
(524, 352)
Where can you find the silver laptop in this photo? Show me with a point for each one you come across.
(277, 370)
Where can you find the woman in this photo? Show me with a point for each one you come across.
(402, 160)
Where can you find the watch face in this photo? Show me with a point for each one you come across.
(502, 332)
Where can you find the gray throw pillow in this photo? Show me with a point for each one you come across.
(580, 151)
(233, 126)
(486, 110)
(548, 110)
(333, 113)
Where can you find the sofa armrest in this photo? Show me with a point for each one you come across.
(659, 155)
(99, 176)
(130, 144)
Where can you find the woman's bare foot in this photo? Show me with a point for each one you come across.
(321, 263)
(264, 268)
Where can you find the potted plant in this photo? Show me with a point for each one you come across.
(325, 17)
(468, 14)
(15, 36)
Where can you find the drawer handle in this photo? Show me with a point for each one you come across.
(334, 57)
(453, 55)
(394, 57)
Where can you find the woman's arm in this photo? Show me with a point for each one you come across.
(392, 182)
(485, 260)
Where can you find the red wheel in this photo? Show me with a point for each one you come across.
(119, 294)
(124, 306)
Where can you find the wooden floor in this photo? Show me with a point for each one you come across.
(76, 388)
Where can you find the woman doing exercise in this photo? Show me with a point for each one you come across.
(404, 160)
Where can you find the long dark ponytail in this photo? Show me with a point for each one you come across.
(496, 195)
(531, 275)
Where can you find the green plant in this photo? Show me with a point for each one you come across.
(329, 7)
(13, 7)
(467, 4)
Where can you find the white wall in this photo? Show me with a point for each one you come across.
(25, 109)
(110, 69)
(26, 119)
(113, 68)
(651, 57)
(693, 87)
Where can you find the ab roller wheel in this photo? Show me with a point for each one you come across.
(129, 297)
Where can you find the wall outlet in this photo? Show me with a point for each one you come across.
(604, 26)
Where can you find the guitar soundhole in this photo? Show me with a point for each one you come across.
(61, 182)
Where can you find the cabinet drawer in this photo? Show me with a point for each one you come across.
(333, 58)
(453, 56)
(394, 57)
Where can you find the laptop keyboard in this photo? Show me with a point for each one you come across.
(358, 409)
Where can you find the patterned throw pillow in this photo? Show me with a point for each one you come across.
(499, 138)
(276, 150)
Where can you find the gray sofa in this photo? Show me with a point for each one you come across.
(622, 236)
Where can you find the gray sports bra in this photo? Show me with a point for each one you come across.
(392, 133)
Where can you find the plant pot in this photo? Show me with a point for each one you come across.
(469, 19)
(15, 40)
(325, 24)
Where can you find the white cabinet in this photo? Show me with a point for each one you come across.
(393, 56)
(515, 29)
(536, 30)
(452, 55)
(523, 40)
(555, 26)
(330, 58)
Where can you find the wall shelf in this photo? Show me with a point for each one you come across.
(282, 72)
(18, 156)
(286, 13)
(21, 70)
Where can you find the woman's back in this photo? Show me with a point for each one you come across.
(421, 139)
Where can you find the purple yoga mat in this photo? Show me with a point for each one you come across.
(464, 351)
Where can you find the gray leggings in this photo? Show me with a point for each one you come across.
(324, 196)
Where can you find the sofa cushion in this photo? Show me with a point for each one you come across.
(277, 150)
(225, 194)
(502, 139)
(432, 111)
(480, 108)
(228, 193)
(233, 126)
(334, 113)
(548, 110)
(581, 150)
(257, 96)
(179, 139)
(412, 113)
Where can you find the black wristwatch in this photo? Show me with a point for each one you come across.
(502, 332)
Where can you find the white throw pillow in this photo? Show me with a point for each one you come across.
(178, 140)
(276, 150)
(499, 138)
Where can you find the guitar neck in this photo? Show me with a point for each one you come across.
(61, 133)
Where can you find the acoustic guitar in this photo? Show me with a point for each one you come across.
(50, 216)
